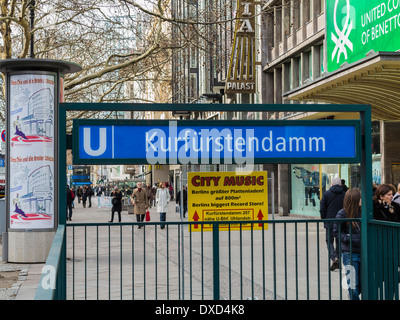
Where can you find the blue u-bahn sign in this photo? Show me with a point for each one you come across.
(212, 142)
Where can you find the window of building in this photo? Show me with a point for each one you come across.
(278, 24)
(307, 11)
(321, 59)
(307, 66)
(310, 181)
(296, 14)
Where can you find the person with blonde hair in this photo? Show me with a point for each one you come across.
(162, 200)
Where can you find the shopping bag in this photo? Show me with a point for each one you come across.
(147, 215)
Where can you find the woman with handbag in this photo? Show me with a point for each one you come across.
(162, 200)
(116, 204)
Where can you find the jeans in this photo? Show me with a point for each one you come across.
(69, 207)
(163, 217)
(332, 243)
(352, 267)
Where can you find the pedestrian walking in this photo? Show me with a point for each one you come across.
(79, 192)
(70, 199)
(384, 206)
(149, 195)
(331, 203)
(139, 200)
(90, 193)
(178, 201)
(73, 198)
(84, 197)
(116, 204)
(162, 199)
(350, 240)
(344, 187)
(154, 191)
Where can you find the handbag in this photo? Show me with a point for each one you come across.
(147, 215)
(114, 201)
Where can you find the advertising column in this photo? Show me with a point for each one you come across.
(34, 199)
(31, 193)
(31, 160)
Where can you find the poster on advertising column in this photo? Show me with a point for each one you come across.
(31, 156)
(227, 197)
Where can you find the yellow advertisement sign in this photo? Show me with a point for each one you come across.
(227, 196)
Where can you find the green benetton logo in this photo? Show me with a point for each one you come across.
(341, 38)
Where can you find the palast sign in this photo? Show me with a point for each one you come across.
(241, 72)
(211, 142)
(354, 28)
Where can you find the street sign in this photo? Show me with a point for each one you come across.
(214, 142)
(227, 196)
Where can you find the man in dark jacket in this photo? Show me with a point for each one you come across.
(70, 198)
(331, 203)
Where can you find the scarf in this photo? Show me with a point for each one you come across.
(387, 206)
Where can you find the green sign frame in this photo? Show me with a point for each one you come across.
(367, 260)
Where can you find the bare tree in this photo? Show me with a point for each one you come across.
(114, 41)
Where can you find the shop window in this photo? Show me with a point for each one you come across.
(309, 182)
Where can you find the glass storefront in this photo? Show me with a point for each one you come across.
(310, 181)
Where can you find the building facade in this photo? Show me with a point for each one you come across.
(304, 60)
(304, 51)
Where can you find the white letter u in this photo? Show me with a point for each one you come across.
(102, 142)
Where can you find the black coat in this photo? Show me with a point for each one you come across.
(345, 233)
(382, 212)
(69, 197)
(178, 197)
(117, 206)
(331, 203)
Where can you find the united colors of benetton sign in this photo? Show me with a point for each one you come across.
(354, 28)
(213, 142)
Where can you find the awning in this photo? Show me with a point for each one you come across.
(374, 80)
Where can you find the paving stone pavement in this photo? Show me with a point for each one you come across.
(26, 284)
(11, 293)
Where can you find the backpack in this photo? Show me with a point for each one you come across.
(72, 195)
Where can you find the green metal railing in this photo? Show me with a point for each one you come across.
(385, 248)
(52, 285)
(287, 259)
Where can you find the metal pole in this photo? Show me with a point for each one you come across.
(32, 22)
(216, 280)
(181, 213)
(273, 194)
(4, 241)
